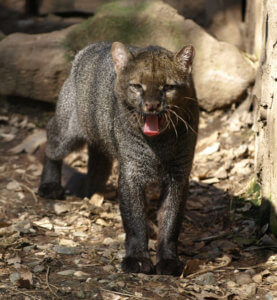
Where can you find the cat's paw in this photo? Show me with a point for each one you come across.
(170, 267)
(51, 190)
(137, 265)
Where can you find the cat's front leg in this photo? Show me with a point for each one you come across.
(132, 208)
(170, 218)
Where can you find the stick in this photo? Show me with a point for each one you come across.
(47, 282)
(228, 260)
(31, 191)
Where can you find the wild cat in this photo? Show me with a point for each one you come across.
(137, 106)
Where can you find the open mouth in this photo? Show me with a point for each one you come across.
(151, 125)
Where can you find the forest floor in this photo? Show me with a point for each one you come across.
(72, 249)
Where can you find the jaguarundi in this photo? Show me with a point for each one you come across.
(138, 106)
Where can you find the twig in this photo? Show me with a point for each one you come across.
(124, 294)
(30, 190)
(47, 282)
(18, 291)
(211, 237)
(212, 268)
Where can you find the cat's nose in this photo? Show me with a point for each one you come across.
(152, 106)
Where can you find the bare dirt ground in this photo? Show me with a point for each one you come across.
(72, 249)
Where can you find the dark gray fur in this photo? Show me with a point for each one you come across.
(88, 111)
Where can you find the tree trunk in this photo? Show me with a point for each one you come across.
(265, 96)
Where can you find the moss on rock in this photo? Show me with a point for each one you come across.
(136, 22)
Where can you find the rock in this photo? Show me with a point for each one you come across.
(66, 250)
(13, 186)
(108, 241)
(108, 268)
(271, 279)
(97, 200)
(40, 66)
(67, 272)
(224, 20)
(80, 295)
(219, 81)
(231, 284)
(249, 290)
(221, 18)
(61, 208)
(81, 274)
(257, 278)
(269, 297)
(221, 73)
(205, 279)
(14, 277)
(39, 269)
(243, 278)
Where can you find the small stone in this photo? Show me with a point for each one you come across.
(243, 278)
(13, 186)
(231, 284)
(81, 274)
(39, 269)
(101, 222)
(121, 237)
(81, 295)
(108, 268)
(206, 279)
(271, 279)
(108, 241)
(67, 250)
(269, 297)
(250, 290)
(14, 277)
(68, 243)
(60, 208)
(210, 149)
(97, 200)
(250, 272)
(120, 284)
(67, 272)
(257, 278)
(274, 286)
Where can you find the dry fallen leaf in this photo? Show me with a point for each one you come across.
(192, 265)
(31, 142)
(44, 223)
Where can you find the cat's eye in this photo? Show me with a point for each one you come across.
(134, 86)
(169, 87)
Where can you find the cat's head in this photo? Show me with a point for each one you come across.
(153, 84)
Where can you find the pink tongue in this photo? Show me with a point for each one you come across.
(151, 126)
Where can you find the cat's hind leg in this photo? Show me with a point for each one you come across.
(99, 169)
(61, 140)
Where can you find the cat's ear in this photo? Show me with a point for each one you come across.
(121, 55)
(184, 58)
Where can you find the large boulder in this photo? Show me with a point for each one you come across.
(33, 66)
(221, 18)
(221, 72)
